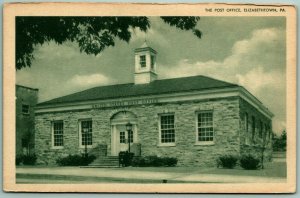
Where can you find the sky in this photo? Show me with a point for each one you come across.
(249, 51)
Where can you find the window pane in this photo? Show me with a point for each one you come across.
(122, 137)
(152, 61)
(58, 136)
(130, 136)
(86, 132)
(253, 127)
(205, 126)
(143, 61)
(167, 128)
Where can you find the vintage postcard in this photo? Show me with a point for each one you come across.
(153, 98)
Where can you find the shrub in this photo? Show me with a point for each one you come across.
(26, 159)
(138, 161)
(227, 161)
(75, 160)
(170, 161)
(249, 162)
(29, 159)
(125, 158)
(19, 159)
(154, 161)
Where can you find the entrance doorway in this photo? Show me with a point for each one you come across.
(120, 137)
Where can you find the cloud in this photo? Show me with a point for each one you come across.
(256, 79)
(74, 84)
(90, 80)
(54, 51)
(152, 35)
(257, 63)
(246, 62)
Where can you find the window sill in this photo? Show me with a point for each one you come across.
(57, 147)
(83, 147)
(166, 144)
(204, 143)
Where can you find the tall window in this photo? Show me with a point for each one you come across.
(130, 136)
(86, 132)
(122, 137)
(265, 134)
(58, 133)
(167, 129)
(25, 109)
(143, 61)
(253, 127)
(152, 62)
(246, 121)
(260, 133)
(205, 127)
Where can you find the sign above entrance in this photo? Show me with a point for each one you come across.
(119, 103)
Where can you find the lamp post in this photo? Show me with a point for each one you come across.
(128, 129)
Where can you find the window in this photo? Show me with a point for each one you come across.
(58, 133)
(246, 122)
(86, 132)
(260, 132)
(152, 62)
(265, 134)
(130, 136)
(167, 129)
(122, 137)
(205, 127)
(253, 127)
(25, 109)
(143, 61)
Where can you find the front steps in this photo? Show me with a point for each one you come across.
(105, 161)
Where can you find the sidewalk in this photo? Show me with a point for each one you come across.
(124, 175)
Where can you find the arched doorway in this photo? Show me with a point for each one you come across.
(119, 135)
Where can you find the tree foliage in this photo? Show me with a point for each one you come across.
(279, 142)
(93, 34)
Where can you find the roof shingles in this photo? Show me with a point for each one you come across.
(164, 86)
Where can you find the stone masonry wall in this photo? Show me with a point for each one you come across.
(254, 145)
(226, 129)
(25, 122)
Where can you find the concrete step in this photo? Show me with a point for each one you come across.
(100, 166)
(105, 161)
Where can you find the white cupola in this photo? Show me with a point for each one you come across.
(145, 64)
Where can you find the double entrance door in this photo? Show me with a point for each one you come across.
(121, 138)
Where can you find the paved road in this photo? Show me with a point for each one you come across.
(96, 175)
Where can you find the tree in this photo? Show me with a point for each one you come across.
(279, 142)
(93, 34)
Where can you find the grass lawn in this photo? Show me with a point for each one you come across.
(275, 169)
(272, 169)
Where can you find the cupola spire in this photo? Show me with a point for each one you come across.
(145, 64)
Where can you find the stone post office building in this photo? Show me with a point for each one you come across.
(195, 119)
